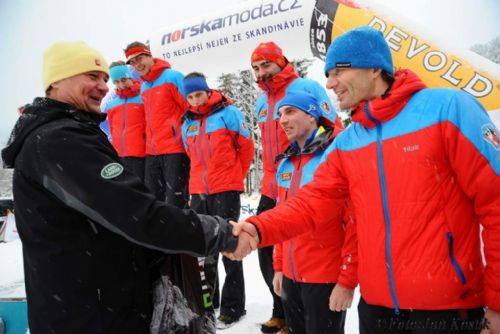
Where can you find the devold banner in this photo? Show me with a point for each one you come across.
(222, 43)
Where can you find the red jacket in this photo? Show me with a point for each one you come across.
(274, 140)
(422, 170)
(219, 144)
(127, 123)
(164, 106)
(328, 255)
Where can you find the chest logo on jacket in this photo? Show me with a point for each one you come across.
(325, 106)
(262, 113)
(193, 128)
(286, 176)
(111, 170)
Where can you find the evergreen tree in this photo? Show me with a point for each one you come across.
(248, 93)
(228, 83)
(241, 88)
(302, 66)
(490, 50)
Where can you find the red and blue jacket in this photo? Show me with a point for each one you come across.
(274, 139)
(328, 255)
(164, 105)
(422, 169)
(219, 145)
(127, 123)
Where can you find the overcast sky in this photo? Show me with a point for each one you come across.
(28, 27)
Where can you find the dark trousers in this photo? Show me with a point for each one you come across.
(382, 320)
(266, 261)
(307, 308)
(226, 205)
(135, 165)
(167, 177)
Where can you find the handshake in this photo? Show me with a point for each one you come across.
(248, 239)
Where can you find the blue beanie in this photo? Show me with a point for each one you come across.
(361, 47)
(119, 72)
(303, 101)
(194, 84)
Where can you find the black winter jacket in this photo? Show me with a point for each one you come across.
(86, 223)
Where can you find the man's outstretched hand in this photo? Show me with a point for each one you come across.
(248, 240)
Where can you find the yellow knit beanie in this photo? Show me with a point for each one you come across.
(66, 59)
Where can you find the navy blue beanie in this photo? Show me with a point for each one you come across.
(361, 47)
(194, 84)
(303, 101)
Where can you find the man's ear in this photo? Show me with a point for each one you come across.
(376, 72)
(54, 87)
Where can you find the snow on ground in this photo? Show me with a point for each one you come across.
(11, 270)
(258, 298)
(259, 303)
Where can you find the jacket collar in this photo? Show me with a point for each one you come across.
(216, 102)
(42, 111)
(131, 92)
(386, 107)
(156, 70)
(319, 138)
(279, 80)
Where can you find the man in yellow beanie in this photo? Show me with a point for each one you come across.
(84, 254)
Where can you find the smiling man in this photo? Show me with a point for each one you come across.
(85, 263)
(424, 178)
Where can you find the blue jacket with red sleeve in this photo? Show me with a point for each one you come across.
(164, 105)
(219, 144)
(422, 169)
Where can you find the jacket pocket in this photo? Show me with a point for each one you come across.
(454, 262)
(209, 146)
(175, 134)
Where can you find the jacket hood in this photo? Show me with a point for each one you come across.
(35, 115)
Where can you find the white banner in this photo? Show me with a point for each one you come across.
(223, 42)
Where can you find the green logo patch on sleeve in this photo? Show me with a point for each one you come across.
(111, 170)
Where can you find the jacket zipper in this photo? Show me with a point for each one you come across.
(385, 204)
(209, 146)
(203, 161)
(269, 121)
(151, 143)
(175, 133)
(295, 180)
